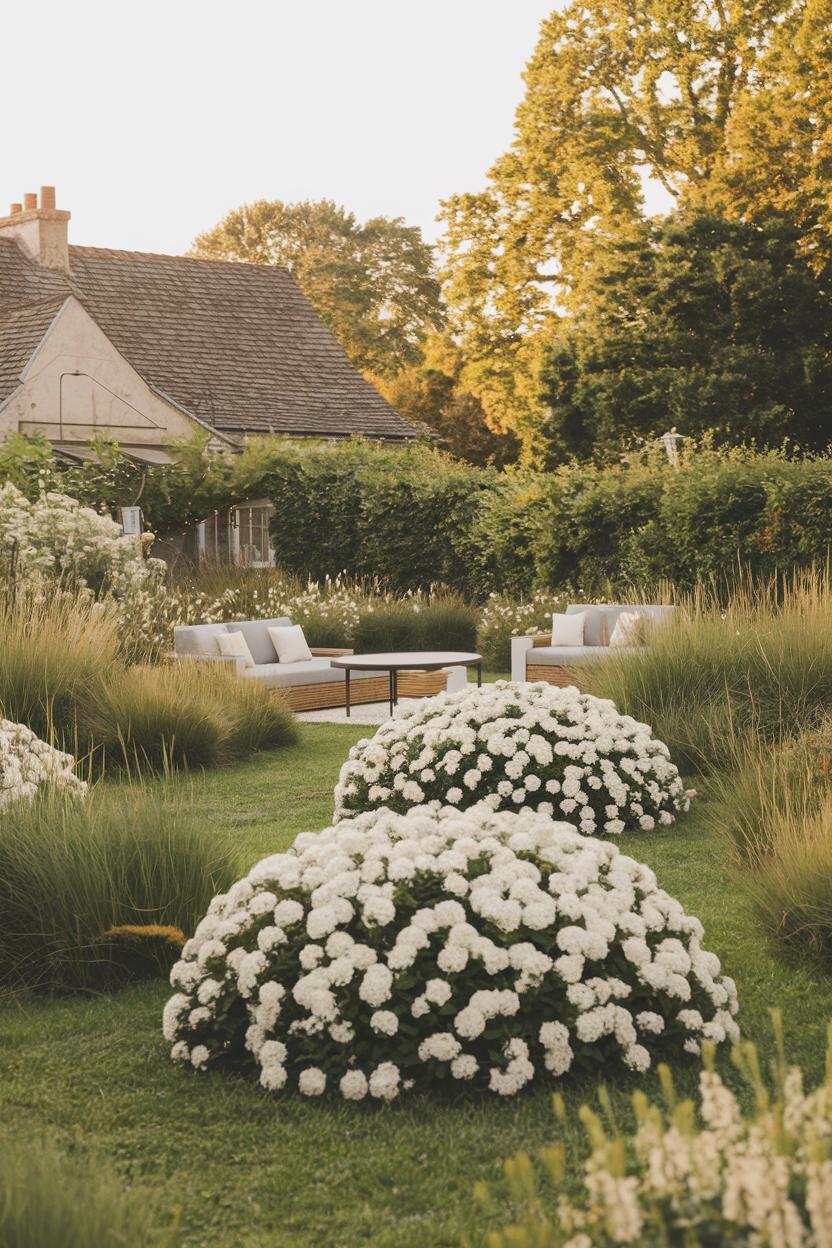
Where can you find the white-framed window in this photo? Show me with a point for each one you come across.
(250, 541)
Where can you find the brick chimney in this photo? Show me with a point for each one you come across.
(41, 232)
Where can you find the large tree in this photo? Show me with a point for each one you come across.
(699, 323)
(431, 392)
(777, 156)
(616, 93)
(374, 284)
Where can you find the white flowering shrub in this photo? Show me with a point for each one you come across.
(391, 952)
(29, 766)
(564, 753)
(57, 537)
(719, 1176)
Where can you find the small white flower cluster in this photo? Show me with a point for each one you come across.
(518, 745)
(392, 950)
(764, 1179)
(57, 537)
(29, 766)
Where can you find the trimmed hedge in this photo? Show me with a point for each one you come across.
(414, 517)
(400, 515)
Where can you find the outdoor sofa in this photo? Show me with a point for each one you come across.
(308, 685)
(535, 658)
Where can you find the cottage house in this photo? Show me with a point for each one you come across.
(146, 348)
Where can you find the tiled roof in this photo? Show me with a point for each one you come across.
(237, 345)
(21, 331)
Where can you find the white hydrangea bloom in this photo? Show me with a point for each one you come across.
(563, 929)
(29, 766)
(556, 750)
(312, 1081)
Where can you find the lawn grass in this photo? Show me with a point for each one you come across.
(250, 1171)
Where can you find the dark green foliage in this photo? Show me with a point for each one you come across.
(172, 496)
(412, 518)
(401, 515)
(71, 870)
(446, 622)
(696, 323)
(594, 526)
(504, 543)
(644, 521)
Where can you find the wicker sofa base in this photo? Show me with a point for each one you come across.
(552, 674)
(421, 684)
(373, 689)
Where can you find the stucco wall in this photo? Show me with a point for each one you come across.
(77, 386)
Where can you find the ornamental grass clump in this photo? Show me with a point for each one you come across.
(707, 1174)
(50, 1199)
(74, 876)
(774, 810)
(536, 746)
(183, 715)
(756, 665)
(490, 949)
(57, 649)
(29, 766)
(63, 674)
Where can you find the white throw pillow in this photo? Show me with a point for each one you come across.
(235, 645)
(568, 630)
(290, 643)
(629, 630)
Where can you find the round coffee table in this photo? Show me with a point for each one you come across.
(404, 661)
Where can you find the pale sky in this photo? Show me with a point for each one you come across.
(153, 119)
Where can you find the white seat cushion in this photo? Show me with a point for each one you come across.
(314, 672)
(568, 656)
(197, 638)
(256, 633)
(595, 633)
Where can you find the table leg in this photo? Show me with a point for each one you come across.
(479, 675)
(347, 691)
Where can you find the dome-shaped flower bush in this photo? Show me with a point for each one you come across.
(29, 766)
(558, 751)
(392, 951)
